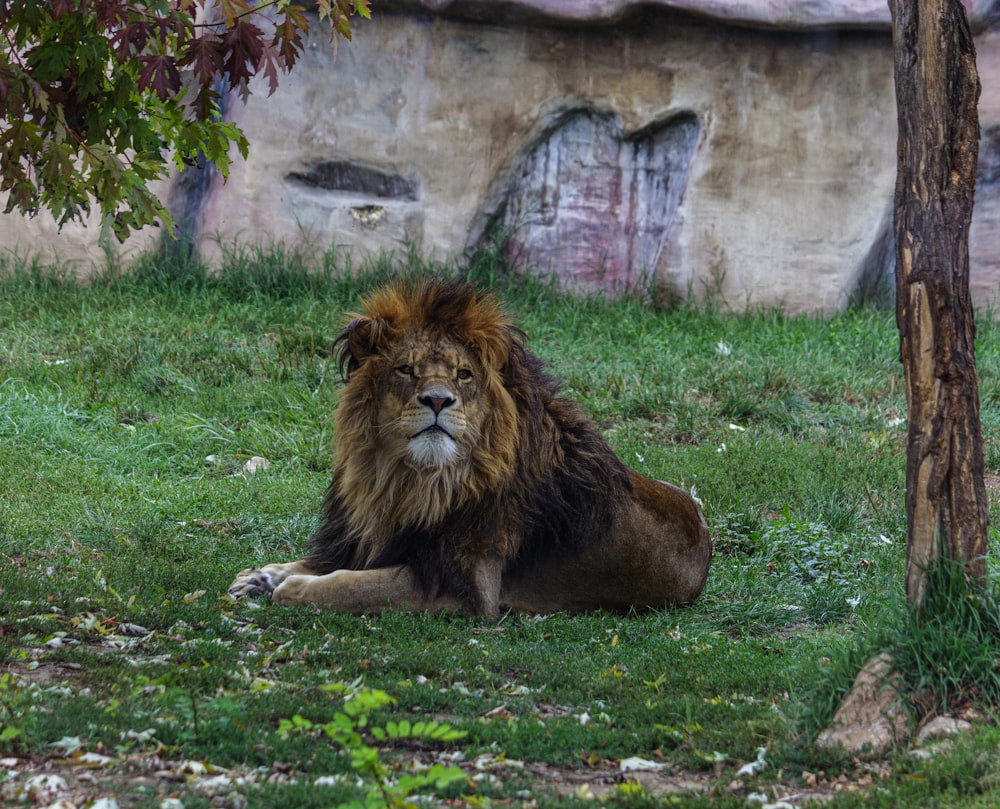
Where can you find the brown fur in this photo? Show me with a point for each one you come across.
(463, 479)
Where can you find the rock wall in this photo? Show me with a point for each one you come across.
(746, 152)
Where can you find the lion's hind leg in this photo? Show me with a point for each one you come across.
(262, 581)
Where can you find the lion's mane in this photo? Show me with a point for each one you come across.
(541, 481)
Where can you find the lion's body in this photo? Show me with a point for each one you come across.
(464, 480)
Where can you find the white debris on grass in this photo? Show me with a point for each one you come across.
(637, 764)
(256, 464)
(43, 788)
(754, 767)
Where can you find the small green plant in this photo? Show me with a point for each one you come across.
(382, 787)
(10, 728)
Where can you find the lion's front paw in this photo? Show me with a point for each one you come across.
(292, 590)
(252, 582)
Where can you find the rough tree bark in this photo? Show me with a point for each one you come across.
(937, 89)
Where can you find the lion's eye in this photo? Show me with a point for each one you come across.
(405, 370)
(464, 374)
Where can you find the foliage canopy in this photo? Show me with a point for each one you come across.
(98, 96)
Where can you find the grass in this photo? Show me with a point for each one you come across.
(130, 405)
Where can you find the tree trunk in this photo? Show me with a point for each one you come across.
(937, 88)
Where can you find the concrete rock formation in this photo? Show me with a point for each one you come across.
(589, 203)
(740, 150)
(872, 719)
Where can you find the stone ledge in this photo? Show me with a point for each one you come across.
(792, 15)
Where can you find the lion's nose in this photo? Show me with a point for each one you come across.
(436, 403)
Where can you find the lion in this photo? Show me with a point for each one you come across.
(464, 481)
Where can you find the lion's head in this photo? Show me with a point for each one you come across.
(425, 422)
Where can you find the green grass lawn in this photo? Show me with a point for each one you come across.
(128, 410)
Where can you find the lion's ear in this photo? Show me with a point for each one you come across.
(363, 337)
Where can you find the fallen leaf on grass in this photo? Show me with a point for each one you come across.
(138, 735)
(500, 712)
(489, 761)
(90, 760)
(43, 788)
(132, 629)
(219, 783)
(256, 464)
(90, 622)
(66, 746)
(755, 798)
(514, 690)
(636, 764)
(185, 769)
(461, 688)
(754, 767)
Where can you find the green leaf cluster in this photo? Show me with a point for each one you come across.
(10, 716)
(382, 786)
(97, 96)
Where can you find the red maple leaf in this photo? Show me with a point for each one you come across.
(131, 39)
(159, 74)
(244, 46)
(60, 7)
(205, 56)
(269, 63)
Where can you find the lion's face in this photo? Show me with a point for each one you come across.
(430, 400)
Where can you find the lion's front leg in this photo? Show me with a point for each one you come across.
(255, 581)
(360, 591)
(487, 577)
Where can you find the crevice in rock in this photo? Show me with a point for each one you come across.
(594, 203)
(988, 166)
(344, 176)
(188, 197)
(875, 282)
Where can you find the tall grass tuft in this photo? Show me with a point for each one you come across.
(174, 272)
(949, 651)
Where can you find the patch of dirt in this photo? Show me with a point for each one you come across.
(79, 780)
(44, 672)
(603, 780)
